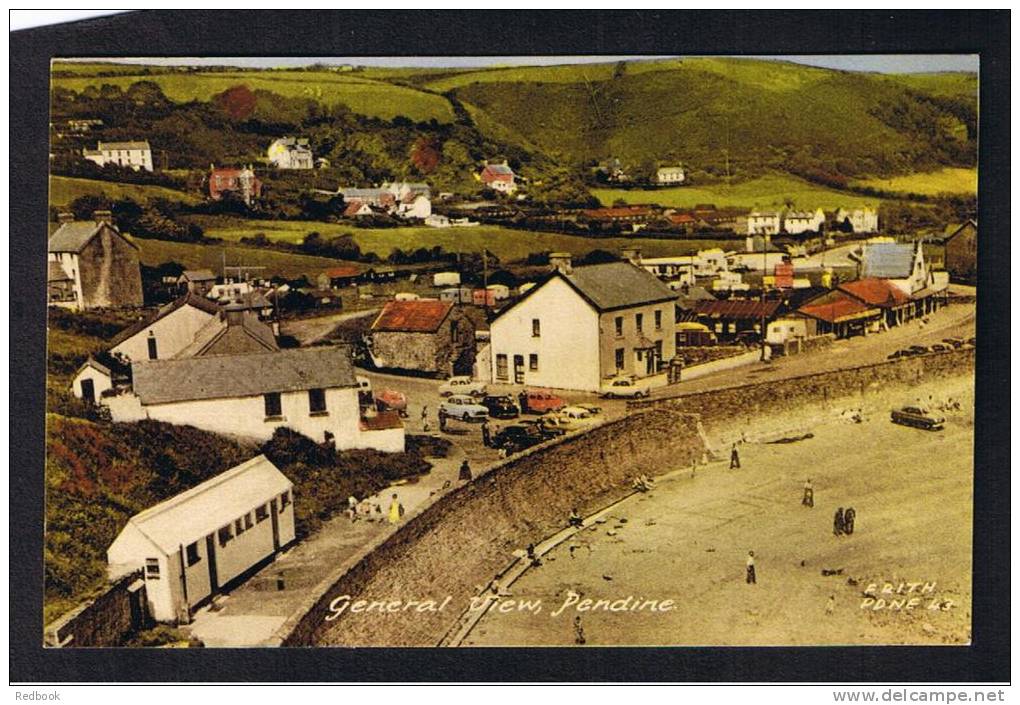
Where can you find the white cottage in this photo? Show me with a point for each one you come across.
(763, 223)
(797, 222)
(860, 220)
(166, 332)
(195, 543)
(670, 175)
(291, 153)
(580, 326)
(133, 155)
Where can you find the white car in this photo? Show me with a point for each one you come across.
(463, 407)
(624, 387)
(462, 385)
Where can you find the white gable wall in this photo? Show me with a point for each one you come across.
(173, 333)
(100, 380)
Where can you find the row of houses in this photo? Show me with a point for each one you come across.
(794, 222)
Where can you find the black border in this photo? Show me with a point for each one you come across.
(331, 33)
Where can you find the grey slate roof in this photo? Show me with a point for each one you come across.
(617, 285)
(56, 273)
(72, 237)
(197, 275)
(218, 337)
(888, 260)
(227, 376)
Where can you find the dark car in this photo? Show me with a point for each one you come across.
(501, 406)
(544, 429)
(518, 437)
(917, 417)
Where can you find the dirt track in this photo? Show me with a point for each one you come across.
(688, 541)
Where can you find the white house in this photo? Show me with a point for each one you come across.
(763, 222)
(797, 222)
(419, 207)
(166, 332)
(499, 177)
(195, 543)
(670, 175)
(904, 266)
(581, 326)
(134, 155)
(862, 220)
(310, 390)
(291, 153)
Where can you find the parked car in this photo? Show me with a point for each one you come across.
(547, 430)
(501, 406)
(576, 416)
(518, 437)
(941, 347)
(391, 400)
(462, 385)
(918, 349)
(917, 417)
(624, 387)
(591, 408)
(463, 407)
(534, 401)
(955, 342)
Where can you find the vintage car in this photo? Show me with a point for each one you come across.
(576, 416)
(535, 401)
(462, 385)
(516, 438)
(501, 406)
(624, 387)
(918, 417)
(391, 400)
(545, 429)
(463, 407)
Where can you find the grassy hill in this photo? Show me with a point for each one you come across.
(949, 180)
(64, 189)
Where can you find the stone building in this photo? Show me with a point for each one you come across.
(432, 337)
(98, 264)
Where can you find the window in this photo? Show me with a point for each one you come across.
(192, 554)
(658, 320)
(261, 514)
(284, 500)
(639, 319)
(239, 526)
(658, 349)
(317, 401)
(502, 371)
(536, 328)
(225, 535)
(533, 362)
(619, 326)
(153, 353)
(619, 359)
(152, 569)
(274, 409)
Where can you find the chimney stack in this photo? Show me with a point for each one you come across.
(103, 217)
(64, 217)
(561, 261)
(632, 255)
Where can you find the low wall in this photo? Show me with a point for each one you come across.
(105, 620)
(803, 345)
(464, 538)
(725, 363)
(783, 394)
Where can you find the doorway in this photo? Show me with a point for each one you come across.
(518, 369)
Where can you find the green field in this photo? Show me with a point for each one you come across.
(64, 189)
(771, 191)
(949, 180)
(505, 243)
(365, 96)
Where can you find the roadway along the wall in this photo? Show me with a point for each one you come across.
(465, 537)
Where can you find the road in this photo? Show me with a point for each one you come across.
(311, 330)
(688, 540)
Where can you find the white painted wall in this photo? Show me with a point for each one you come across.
(101, 382)
(173, 333)
(568, 347)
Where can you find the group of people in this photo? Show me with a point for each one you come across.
(643, 483)
(843, 523)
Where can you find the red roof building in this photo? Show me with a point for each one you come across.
(243, 182)
(876, 292)
(840, 313)
(433, 337)
(412, 316)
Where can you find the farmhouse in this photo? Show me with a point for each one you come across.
(291, 153)
(310, 390)
(242, 183)
(580, 326)
(433, 337)
(194, 544)
(100, 266)
(669, 175)
(499, 177)
(133, 155)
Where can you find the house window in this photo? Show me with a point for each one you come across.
(274, 409)
(619, 359)
(502, 371)
(317, 401)
(533, 362)
(261, 514)
(639, 319)
(225, 535)
(284, 500)
(153, 353)
(658, 349)
(658, 320)
(536, 328)
(192, 554)
(619, 326)
(239, 526)
(152, 569)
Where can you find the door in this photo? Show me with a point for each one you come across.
(88, 391)
(210, 552)
(276, 525)
(518, 369)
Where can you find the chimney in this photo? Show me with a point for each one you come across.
(103, 217)
(65, 217)
(632, 255)
(560, 261)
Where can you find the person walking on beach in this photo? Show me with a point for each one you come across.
(752, 578)
(486, 435)
(465, 471)
(734, 457)
(849, 516)
(809, 494)
(838, 522)
(396, 510)
(425, 418)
